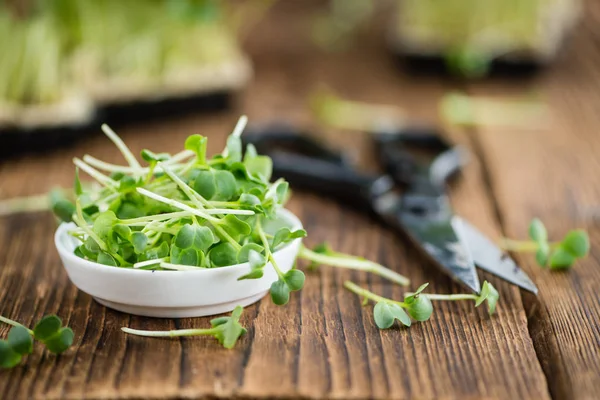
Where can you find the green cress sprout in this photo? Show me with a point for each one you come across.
(181, 212)
(226, 330)
(558, 255)
(19, 343)
(322, 254)
(386, 311)
(418, 304)
(488, 293)
(459, 109)
(337, 112)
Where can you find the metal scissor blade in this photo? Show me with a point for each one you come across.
(440, 241)
(489, 257)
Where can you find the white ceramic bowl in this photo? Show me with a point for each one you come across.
(174, 294)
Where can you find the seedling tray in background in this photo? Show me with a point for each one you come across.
(18, 141)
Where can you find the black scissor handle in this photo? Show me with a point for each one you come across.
(281, 137)
(308, 164)
(414, 154)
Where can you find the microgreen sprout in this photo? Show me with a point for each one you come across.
(464, 110)
(335, 111)
(227, 330)
(180, 212)
(488, 293)
(323, 254)
(19, 343)
(386, 311)
(557, 255)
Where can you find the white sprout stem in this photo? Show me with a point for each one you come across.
(105, 166)
(182, 155)
(14, 323)
(198, 200)
(446, 296)
(176, 204)
(179, 267)
(354, 288)
(148, 262)
(82, 224)
(237, 131)
(173, 333)
(100, 177)
(158, 217)
(268, 252)
(131, 160)
(349, 263)
(239, 127)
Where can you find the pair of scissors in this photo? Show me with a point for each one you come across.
(410, 196)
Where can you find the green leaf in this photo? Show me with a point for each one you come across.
(222, 255)
(153, 158)
(234, 148)
(77, 184)
(577, 243)
(542, 253)
(229, 329)
(244, 253)
(20, 340)
(385, 313)
(8, 357)
(280, 292)
(226, 186)
(190, 257)
(410, 298)
(185, 237)
(235, 227)
(139, 241)
(250, 152)
(203, 238)
(294, 278)
(60, 341)
(537, 231)
(46, 327)
(281, 191)
(123, 231)
(104, 223)
(197, 144)
(561, 258)
(490, 294)
(250, 200)
(205, 185)
(127, 184)
(256, 260)
(420, 308)
(284, 235)
(61, 207)
(261, 166)
(106, 259)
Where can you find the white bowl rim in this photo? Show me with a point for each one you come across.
(82, 262)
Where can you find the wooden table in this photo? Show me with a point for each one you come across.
(323, 344)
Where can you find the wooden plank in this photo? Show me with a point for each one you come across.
(552, 173)
(323, 344)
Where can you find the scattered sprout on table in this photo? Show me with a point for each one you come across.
(558, 255)
(19, 343)
(227, 330)
(417, 305)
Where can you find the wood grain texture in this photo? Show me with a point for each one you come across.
(551, 173)
(323, 344)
